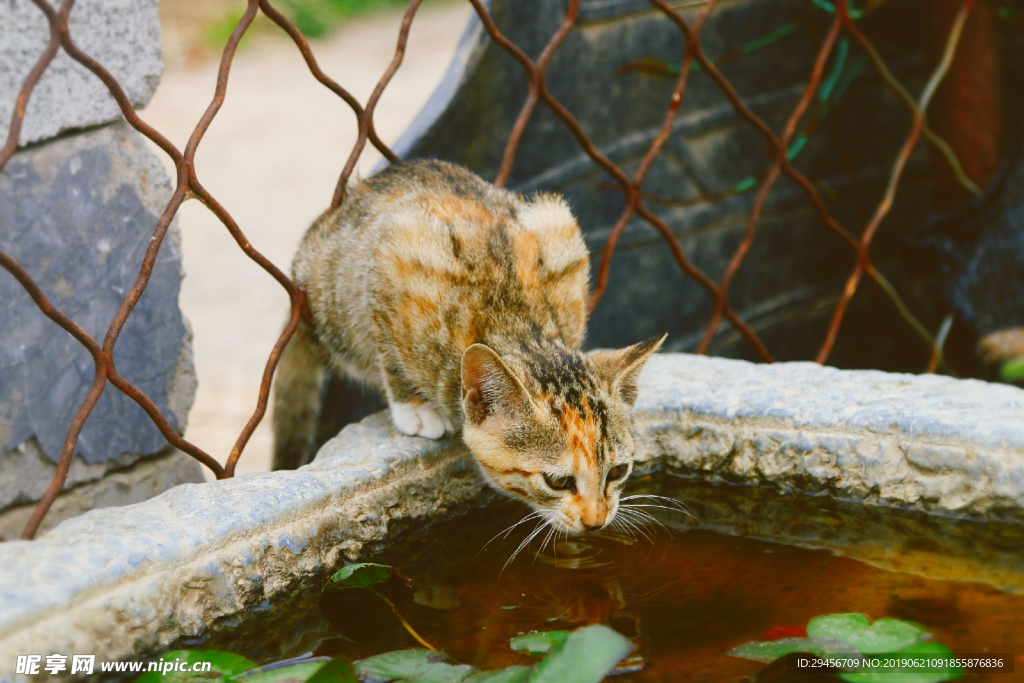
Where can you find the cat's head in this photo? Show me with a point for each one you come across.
(553, 426)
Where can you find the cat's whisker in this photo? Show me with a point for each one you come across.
(648, 522)
(649, 496)
(544, 544)
(526, 542)
(506, 531)
(681, 506)
(620, 524)
(671, 509)
(632, 523)
(665, 499)
(634, 527)
(639, 517)
(644, 515)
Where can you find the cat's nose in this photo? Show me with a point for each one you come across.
(591, 527)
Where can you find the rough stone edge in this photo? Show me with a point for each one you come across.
(200, 554)
(930, 443)
(139, 481)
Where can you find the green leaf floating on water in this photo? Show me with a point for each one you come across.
(538, 643)
(297, 673)
(932, 676)
(335, 671)
(443, 673)
(363, 576)
(513, 674)
(222, 664)
(585, 656)
(399, 665)
(770, 650)
(884, 635)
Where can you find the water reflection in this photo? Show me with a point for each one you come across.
(686, 595)
(686, 598)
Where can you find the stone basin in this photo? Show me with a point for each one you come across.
(915, 474)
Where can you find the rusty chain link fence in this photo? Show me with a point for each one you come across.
(781, 146)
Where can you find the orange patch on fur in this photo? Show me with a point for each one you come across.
(417, 310)
(582, 434)
(527, 251)
(452, 209)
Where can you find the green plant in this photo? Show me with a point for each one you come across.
(585, 655)
(316, 18)
(1013, 370)
(853, 635)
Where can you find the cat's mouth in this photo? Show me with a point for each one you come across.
(578, 526)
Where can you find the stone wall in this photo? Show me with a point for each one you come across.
(78, 203)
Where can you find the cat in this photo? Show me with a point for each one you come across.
(466, 305)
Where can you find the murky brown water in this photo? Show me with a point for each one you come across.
(685, 596)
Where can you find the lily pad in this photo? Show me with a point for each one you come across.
(221, 664)
(538, 643)
(335, 671)
(929, 676)
(884, 635)
(444, 673)
(400, 664)
(585, 656)
(770, 650)
(294, 673)
(513, 674)
(363, 576)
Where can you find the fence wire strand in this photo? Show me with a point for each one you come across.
(188, 186)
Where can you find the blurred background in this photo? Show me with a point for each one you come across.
(272, 157)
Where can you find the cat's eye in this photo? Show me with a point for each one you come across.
(617, 472)
(562, 483)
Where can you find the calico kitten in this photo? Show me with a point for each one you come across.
(466, 305)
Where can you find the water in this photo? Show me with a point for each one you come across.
(686, 595)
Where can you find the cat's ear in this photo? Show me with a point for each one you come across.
(490, 388)
(621, 368)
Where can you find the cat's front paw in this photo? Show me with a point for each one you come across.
(417, 419)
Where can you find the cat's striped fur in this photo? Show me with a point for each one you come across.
(466, 305)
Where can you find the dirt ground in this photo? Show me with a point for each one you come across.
(272, 158)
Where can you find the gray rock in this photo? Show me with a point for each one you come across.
(128, 583)
(77, 213)
(123, 36)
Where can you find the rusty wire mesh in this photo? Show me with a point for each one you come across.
(188, 186)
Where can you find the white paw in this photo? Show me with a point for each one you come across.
(418, 419)
(431, 425)
(405, 418)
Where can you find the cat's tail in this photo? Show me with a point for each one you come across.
(297, 398)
